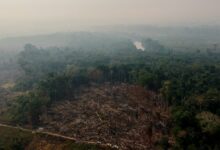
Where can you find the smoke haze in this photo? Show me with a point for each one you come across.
(25, 17)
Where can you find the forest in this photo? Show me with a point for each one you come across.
(186, 83)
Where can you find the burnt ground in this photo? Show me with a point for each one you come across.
(124, 115)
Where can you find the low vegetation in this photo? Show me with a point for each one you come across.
(18, 139)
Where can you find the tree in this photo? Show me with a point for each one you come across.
(209, 122)
(29, 107)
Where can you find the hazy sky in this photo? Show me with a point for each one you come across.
(21, 17)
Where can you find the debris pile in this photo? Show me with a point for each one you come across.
(124, 115)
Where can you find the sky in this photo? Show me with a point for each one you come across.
(24, 17)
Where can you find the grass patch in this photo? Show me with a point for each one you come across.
(13, 139)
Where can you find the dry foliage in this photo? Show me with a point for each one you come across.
(124, 115)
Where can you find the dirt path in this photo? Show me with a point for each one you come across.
(59, 136)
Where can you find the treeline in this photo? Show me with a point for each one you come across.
(189, 82)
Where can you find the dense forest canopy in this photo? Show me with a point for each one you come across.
(187, 81)
(110, 75)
